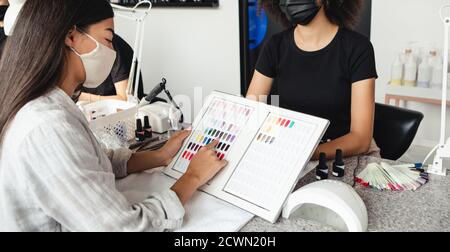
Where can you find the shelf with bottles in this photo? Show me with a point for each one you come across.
(416, 75)
(414, 94)
(422, 69)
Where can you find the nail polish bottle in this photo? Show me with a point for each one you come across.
(322, 168)
(140, 133)
(339, 165)
(147, 127)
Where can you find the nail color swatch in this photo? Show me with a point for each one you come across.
(268, 132)
(223, 122)
(277, 145)
(267, 149)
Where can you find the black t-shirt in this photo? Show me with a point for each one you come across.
(319, 83)
(120, 71)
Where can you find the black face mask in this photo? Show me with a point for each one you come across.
(3, 9)
(300, 12)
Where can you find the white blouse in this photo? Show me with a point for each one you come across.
(54, 176)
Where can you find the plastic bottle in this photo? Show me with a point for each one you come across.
(418, 55)
(436, 78)
(397, 72)
(432, 57)
(407, 53)
(410, 76)
(425, 73)
(413, 49)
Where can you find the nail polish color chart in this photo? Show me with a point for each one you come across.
(267, 148)
(274, 156)
(223, 121)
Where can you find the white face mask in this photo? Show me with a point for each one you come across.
(97, 64)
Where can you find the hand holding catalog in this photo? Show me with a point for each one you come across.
(267, 149)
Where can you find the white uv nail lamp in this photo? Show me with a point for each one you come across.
(332, 203)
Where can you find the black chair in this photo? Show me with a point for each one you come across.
(395, 129)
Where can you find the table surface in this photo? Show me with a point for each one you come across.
(424, 210)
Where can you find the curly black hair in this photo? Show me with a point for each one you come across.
(344, 13)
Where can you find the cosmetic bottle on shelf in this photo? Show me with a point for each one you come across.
(397, 72)
(410, 76)
(424, 73)
(436, 78)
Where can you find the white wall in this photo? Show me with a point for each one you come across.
(191, 48)
(395, 23)
(200, 48)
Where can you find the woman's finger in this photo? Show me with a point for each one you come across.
(212, 145)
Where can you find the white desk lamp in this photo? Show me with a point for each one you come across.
(139, 18)
(443, 149)
(159, 112)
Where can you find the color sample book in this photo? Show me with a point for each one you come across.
(278, 145)
(223, 122)
(266, 147)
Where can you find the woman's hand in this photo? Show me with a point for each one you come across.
(143, 161)
(203, 167)
(171, 148)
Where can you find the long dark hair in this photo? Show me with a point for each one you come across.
(34, 58)
(344, 13)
